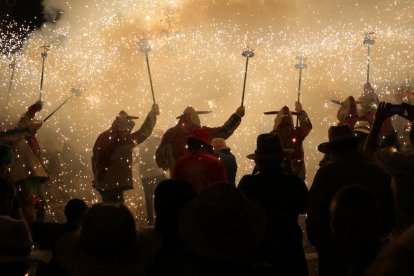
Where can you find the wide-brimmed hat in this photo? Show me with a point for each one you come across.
(123, 115)
(107, 244)
(201, 135)
(219, 143)
(221, 224)
(189, 110)
(268, 148)
(337, 135)
(362, 126)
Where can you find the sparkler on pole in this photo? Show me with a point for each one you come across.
(145, 48)
(13, 66)
(75, 91)
(301, 65)
(368, 41)
(45, 48)
(247, 53)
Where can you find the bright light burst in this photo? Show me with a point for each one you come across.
(196, 60)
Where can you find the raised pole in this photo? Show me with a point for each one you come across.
(247, 53)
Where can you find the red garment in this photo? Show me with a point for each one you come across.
(179, 134)
(105, 145)
(201, 170)
(292, 137)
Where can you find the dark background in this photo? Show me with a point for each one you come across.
(13, 15)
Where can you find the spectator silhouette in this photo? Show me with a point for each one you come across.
(46, 234)
(355, 226)
(170, 198)
(347, 167)
(283, 198)
(220, 228)
(107, 244)
(399, 165)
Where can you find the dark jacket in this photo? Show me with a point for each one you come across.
(283, 197)
(351, 168)
(229, 161)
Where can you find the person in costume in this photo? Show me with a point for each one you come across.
(199, 167)
(112, 155)
(28, 171)
(292, 136)
(173, 144)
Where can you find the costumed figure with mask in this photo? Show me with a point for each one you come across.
(173, 144)
(28, 171)
(112, 155)
(292, 136)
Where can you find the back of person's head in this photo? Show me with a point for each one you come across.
(354, 215)
(170, 196)
(75, 210)
(221, 224)
(107, 229)
(199, 139)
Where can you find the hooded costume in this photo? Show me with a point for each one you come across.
(112, 152)
(292, 137)
(173, 144)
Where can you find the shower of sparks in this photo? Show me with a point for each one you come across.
(196, 61)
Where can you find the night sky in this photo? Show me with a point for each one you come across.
(22, 13)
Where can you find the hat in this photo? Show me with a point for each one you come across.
(123, 121)
(6, 154)
(337, 135)
(189, 111)
(122, 114)
(362, 126)
(221, 224)
(283, 118)
(348, 109)
(201, 135)
(268, 148)
(107, 243)
(219, 143)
